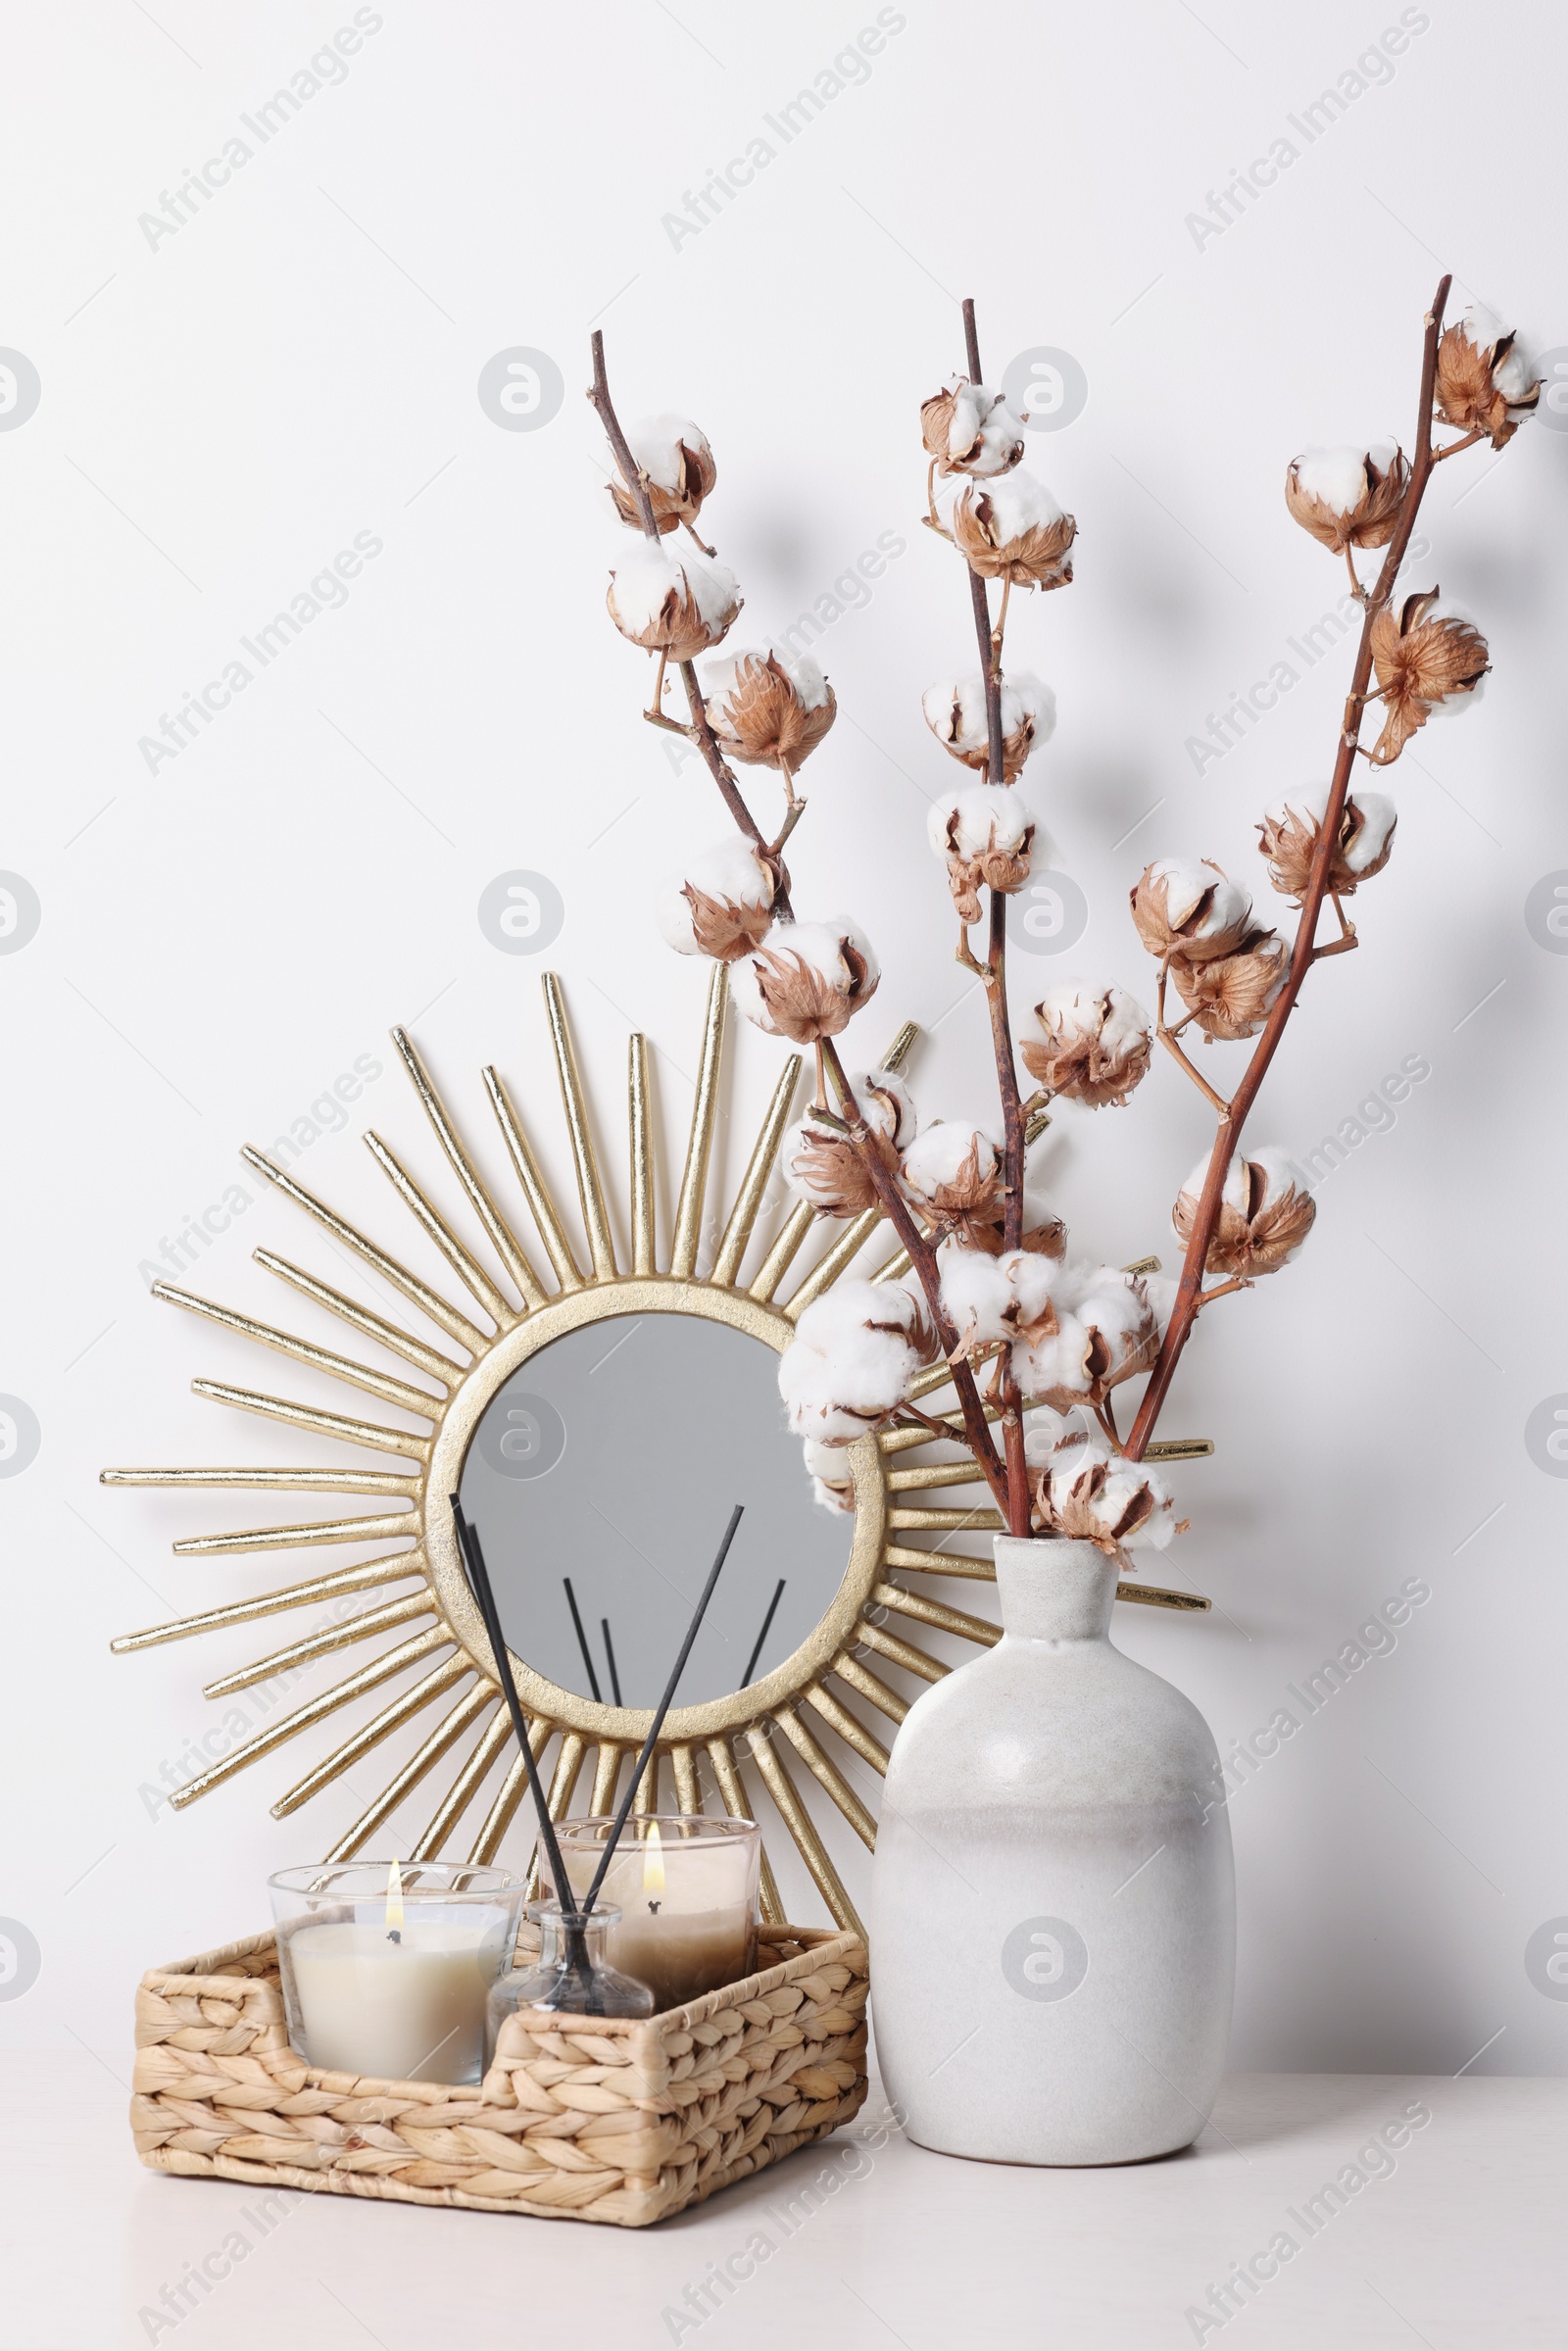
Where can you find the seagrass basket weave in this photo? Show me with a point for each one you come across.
(579, 2118)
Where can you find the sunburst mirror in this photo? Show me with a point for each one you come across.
(559, 1407)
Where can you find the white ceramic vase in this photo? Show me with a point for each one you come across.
(1053, 1909)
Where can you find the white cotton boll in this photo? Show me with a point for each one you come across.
(1338, 476)
(1378, 820)
(655, 444)
(1055, 1366)
(1161, 1292)
(730, 872)
(936, 1156)
(1278, 1172)
(649, 570)
(1235, 1194)
(1513, 375)
(722, 678)
(1182, 883)
(954, 709)
(978, 818)
(1072, 1012)
(976, 1296)
(1124, 1481)
(808, 980)
(853, 1357)
(1020, 502)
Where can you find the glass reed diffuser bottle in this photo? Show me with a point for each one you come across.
(570, 1973)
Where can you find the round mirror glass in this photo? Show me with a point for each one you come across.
(600, 1479)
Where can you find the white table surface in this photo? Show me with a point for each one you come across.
(1462, 2246)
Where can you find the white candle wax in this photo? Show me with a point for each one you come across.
(411, 2010)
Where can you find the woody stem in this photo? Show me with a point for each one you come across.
(631, 474)
(1189, 1290)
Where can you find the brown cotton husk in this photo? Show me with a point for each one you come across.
(1466, 394)
(968, 1208)
(1066, 1506)
(1419, 663)
(833, 1170)
(763, 721)
(1230, 996)
(723, 929)
(1370, 522)
(1290, 844)
(1079, 1066)
(696, 474)
(677, 628)
(1047, 1238)
(803, 1003)
(1015, 748)
(1038, 558)
(1190, 908)
(991, 868)
(1256, 1238)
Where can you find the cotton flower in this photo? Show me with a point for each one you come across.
(1231, 995)
(1348, 497)
(1263, 1218)
(1188, 906)
(1096, 1042)
(994, 1301)
(1289, 832)
(679, 604)
(829, 1472)
(768, 708)
(1108, 1331)
(1090, 1495)
(956, 713)
(952, 1174)
(855, 1353)
(1421, 663)
(986, 834)
(679, 465)
(807, 981)
(825, 1169)
(1010, 529)
(968, 428)
(722, 903)
(1484, 381)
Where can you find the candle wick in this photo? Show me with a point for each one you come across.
(653, 1907)
(393, 1936)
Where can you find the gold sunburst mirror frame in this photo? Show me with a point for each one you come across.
(794, 1707)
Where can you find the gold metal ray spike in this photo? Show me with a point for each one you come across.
(461, 1786)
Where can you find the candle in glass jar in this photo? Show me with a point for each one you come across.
(407, 2006)
(688, 1921)
(389, 1988)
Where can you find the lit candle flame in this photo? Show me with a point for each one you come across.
(653, 1867)
(394, 1904)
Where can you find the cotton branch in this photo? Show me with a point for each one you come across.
(1016, 1505)
(1190, 1290)
(921, 1253)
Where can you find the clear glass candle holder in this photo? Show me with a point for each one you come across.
(686, 1889)
(387, 1975)
(572, 1974)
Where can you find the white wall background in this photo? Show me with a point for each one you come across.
(223, 409)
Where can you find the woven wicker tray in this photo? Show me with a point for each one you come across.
(586, 2119)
